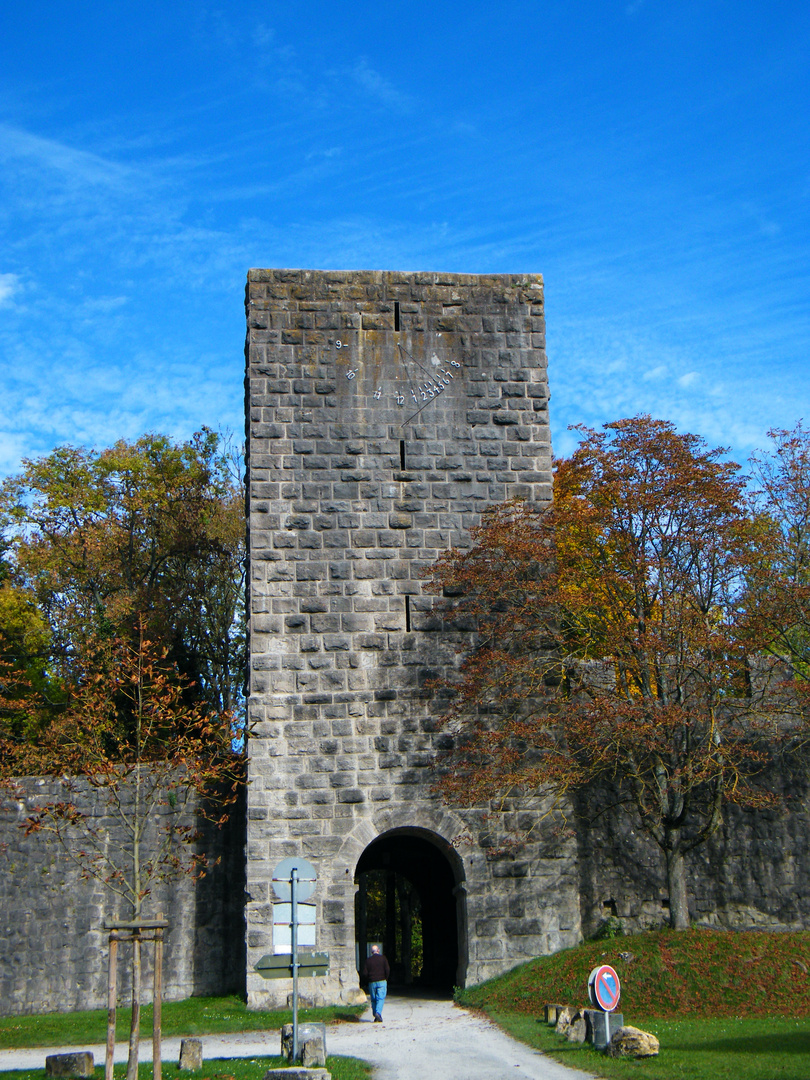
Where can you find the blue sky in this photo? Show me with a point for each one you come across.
(650, 159)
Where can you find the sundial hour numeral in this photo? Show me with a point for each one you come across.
(351, 374)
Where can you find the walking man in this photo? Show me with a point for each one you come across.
(376, 970)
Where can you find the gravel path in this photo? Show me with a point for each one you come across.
(420, 1039)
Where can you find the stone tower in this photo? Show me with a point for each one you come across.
(385, 411)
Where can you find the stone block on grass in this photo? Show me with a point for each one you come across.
(311, 1034)
(577, 1029)
(632, 1042)
(551, 1012)
(191, 1055)
(564, 1017)
(601, 1026)
(313, 1053)
(77, 1064)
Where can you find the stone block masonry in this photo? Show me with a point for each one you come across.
(53, 948)
(385, 411)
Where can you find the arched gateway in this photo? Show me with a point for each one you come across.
(385, 412)
(411, 901)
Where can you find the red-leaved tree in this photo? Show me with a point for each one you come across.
(609, 652)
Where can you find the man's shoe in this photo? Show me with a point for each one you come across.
(377, 1018)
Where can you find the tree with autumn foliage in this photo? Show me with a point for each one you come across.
(122, 653)
(155, 763)
(779, 582)
(149, 531)
(610, 650)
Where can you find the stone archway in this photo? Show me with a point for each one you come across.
(411, 900)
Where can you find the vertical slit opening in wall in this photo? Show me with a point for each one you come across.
(402, 454)
(396, 314)
(407, 613)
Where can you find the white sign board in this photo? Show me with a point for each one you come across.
(282, 927)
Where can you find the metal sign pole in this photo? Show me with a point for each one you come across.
(294, 905)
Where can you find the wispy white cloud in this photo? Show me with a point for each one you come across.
(270, 50)
(9, 285)
(379, 88)
(263, 36)
(688, 379)
(674, 287)
(75, 166)
(655, 374)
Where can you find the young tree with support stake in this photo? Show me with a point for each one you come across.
(610, 652)
(155, 761)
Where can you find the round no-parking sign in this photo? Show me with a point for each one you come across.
(604, 988)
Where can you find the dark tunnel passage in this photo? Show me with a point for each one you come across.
(408, 901)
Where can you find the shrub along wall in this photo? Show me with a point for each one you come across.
(53, 948)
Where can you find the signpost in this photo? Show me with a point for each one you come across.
(282, 927)
(280, 967)
(294, 881)
(604, 988)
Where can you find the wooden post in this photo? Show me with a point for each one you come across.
(157, 1001)
(135, 1023)
(137, 933)
(111, 999)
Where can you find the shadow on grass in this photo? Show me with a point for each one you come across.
(793, 1042)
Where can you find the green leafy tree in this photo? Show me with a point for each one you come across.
(29, 697)
(609, 653)
(149, 530)
(121, 589)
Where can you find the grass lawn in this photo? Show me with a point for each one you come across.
(724, 1006)
(341, 1068)
(195, 1016)
(691, 1049)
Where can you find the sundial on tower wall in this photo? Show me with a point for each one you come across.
(385, 412)
(390, 359)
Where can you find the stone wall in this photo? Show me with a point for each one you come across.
(385, 411)
(754, 873)
(53, 949)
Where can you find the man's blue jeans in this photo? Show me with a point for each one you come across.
(377, 991)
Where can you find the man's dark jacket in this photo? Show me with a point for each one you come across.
(376, 968)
